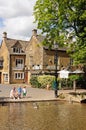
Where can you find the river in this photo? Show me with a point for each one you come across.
(43, 116)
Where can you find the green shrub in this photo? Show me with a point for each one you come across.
(41, 81)
(65, 83)
(34, 82)
(74, 77)
(80, 80)
(45, 79)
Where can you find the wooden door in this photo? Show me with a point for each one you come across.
(26, 77)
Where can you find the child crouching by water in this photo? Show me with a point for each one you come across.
(24, 91)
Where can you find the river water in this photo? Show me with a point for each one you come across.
(43, 116)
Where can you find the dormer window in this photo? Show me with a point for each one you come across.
(17, 50)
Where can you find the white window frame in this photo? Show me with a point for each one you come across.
(19, 75)
(19, 63)
(17, 50)
(5, 77)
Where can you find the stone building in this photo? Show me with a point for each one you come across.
(41, 59)
(19, 59)
(12, 59)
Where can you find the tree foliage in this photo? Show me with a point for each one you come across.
(63, 21)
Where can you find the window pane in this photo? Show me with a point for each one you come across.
(19, 62)
(17, 50)
(19, 75)
(6, 77)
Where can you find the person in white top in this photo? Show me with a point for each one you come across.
(24, 91)
(13, 93)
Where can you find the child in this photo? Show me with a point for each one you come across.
(24, 91)
(19, 92)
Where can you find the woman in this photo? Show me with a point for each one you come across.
(13, 93)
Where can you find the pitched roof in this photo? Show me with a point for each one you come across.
(10, 43)
(41, 38)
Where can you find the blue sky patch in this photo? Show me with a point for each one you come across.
(1, 22)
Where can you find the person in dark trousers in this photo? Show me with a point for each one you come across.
(55, 87)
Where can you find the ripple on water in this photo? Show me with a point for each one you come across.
(48, 116)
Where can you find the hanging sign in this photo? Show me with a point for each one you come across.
(64, 74)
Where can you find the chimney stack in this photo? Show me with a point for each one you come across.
(4, 35)
(34, 32)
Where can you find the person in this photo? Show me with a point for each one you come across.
(19, 92)
(55, 87)
(13, 93)
(48, 86)
(24, 91)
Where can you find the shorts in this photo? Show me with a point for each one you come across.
(24, 94)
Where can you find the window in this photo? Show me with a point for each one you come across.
(6, 77)
(17, 50)
(19, 63)
(19, 75)
(1, 63)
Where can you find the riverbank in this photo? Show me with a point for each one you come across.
(35, 94)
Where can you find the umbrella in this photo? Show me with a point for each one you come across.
(78, 71)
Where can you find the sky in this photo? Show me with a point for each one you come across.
(16, 18)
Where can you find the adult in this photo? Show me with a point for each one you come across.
(55, 87)
(13, 93)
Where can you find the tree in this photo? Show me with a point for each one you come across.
(63, 21)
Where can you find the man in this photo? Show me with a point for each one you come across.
(55, 87)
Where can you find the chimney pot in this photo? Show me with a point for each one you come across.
(4, 35)
(34, 32)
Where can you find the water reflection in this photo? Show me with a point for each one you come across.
(48, 116)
